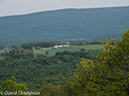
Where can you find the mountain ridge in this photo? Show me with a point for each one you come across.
(66, 24)
(62, 9)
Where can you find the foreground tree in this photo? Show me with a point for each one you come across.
(68, 88)
(51, 90)
(12, 86)
(109, 74)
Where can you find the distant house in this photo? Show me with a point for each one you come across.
(55, 47)
(58, 46)
(43, 48)
(65, 45)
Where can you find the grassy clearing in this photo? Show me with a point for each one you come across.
(2, 57)
(70, 48)
(2, 51)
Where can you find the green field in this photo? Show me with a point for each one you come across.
(2, 57)
(70, 48)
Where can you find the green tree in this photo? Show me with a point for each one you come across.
(13, 46)
(109, 74)
(69, 88)
(12, 86)
(82, 49)
(47, 52)
(51, 90)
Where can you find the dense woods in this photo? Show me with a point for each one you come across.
(104, 75)
(22, 64)
(109, 74)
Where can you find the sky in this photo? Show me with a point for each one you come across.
(19, 7)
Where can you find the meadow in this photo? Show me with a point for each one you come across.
(1, 57)
(70, 48)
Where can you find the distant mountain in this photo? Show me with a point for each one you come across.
(66, 24)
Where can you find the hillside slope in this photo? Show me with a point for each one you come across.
(66, 24)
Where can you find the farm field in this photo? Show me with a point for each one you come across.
(70, 48)
(2, 57)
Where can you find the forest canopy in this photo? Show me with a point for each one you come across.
(109, 74)
(104, 75)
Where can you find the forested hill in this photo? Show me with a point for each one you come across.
(66, 24)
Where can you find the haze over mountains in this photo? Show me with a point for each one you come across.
(66, 24)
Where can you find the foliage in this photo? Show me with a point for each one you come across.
(83, 42)
(68, 88)
(109, 74)
(51, 90)
(40, 70)
(106, 75)
(47, 52)
(90, 54)
(12, 86)
(19, 53)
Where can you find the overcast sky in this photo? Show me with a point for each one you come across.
(16, 7)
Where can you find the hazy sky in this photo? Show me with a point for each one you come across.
(16, 7)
